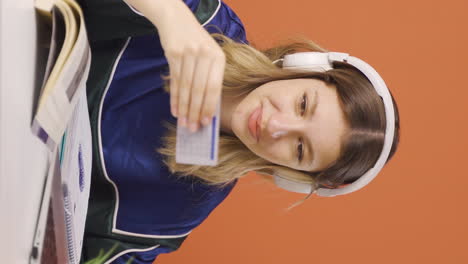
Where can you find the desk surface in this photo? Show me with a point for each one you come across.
(23, 158)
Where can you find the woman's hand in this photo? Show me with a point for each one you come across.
(196, 64)
(196, 61)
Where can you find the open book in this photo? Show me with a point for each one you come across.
(62, 122)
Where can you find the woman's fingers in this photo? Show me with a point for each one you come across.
(198, 91)
(185, 87)
(196, 81)
(213, 87)
(174, 73)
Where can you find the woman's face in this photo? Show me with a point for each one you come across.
(296, 123)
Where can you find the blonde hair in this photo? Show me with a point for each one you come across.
(248, 68)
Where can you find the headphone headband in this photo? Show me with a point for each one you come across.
(323, 61)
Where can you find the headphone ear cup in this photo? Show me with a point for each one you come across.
(292, 186)
(313, 61)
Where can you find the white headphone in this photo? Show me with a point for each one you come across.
(322, 61)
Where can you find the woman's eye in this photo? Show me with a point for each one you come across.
(303, 104)
(300, 150)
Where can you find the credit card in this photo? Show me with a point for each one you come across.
(200, 147)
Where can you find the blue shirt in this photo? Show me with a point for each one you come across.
(146, 203)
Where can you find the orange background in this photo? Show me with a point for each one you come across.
(416, 210)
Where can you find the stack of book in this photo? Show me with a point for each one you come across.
(62, 122)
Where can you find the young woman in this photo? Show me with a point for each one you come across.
(155, 64)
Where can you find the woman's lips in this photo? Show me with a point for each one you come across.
(259, 122)
(253, 122)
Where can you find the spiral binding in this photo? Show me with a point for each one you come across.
(69, 225)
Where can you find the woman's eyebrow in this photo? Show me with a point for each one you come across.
(312, 108)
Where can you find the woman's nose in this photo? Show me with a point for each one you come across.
(280, 125)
